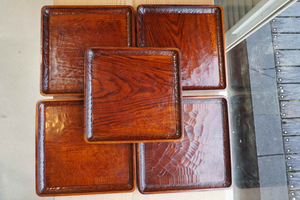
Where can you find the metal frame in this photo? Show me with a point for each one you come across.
(254, 19)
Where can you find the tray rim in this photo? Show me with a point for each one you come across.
(228, 141)
(42, 59)
(179, 97)
(222, 43)
(37, 161)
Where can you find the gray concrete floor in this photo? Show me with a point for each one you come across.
(19, 92)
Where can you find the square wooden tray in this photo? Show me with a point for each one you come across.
(67, 31)
(199, 34)
(132, 95)
(201, 160)
(67, 165)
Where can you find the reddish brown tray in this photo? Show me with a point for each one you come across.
(67, 31)
(132, 95)
(199, 34)
(67, 165)
(201, 160)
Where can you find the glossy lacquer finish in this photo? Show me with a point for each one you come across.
(197, 31)
(66, 33)
(132, 95)
(67, 165)
(200, 160)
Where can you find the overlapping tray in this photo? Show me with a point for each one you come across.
(197, 31)
(67, 165)
(131, 95)
(201, 160)
(66, 33)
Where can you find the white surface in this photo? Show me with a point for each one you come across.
(19, 92)
(136, 195)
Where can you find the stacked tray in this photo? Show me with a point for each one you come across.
(201, 160)
(66, 164)
(122, 94)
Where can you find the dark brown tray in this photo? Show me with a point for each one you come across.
(201, 160)
(67, 31)
(132, 95)
(67, 165)
(199, 34)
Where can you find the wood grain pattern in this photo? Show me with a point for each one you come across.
(66, 165)
(197, 31)
(132, 94)
(216, 194)
(200, 160)
(291, 126)
(288, 74)
(67, 31)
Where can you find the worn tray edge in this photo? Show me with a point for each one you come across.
(37, 160)
(179, 114)
(228, 141)
(224, 63)
(43, 92)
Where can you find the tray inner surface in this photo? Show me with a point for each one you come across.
(197, 31)
(132, 94)
(200, 160)
(67, 164)
(68, 31)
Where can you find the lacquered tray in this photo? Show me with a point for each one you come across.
(132, 95)
(201, 160)
(199, 34)
(67, 31)
(67, 165)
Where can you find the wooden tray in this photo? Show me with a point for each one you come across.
(67, 165)
(67, 31)
(132, 95)
(199, 34)
(201, 160)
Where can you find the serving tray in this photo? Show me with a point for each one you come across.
(199, 34)
(132, 95)
(67, 31)
(201, 160)
(67, 165)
